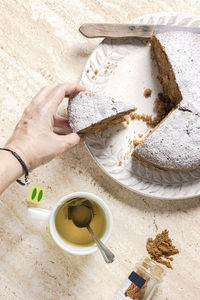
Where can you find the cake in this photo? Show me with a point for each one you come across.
(174, 144)
(91, 113)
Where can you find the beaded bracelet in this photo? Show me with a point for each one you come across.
(26, 172)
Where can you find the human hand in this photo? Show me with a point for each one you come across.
(34, 138)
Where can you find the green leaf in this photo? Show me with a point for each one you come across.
(34, 193)
(40, 196)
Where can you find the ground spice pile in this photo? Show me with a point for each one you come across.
(161, 248)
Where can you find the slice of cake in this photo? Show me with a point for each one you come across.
(91, 113)
(174, 143)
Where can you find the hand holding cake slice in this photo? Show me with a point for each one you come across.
(91, 113)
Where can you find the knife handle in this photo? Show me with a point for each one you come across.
(95, 30)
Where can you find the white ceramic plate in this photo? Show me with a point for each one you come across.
(122, 68)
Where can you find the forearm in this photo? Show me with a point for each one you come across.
(10, 169)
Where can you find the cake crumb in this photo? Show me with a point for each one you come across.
(96, 72)
(93, 77)
(130, 145)
(140, 135)
(136, 143)
(147, 93)
(126, 118)
(120, 163)
(146, 118)
(108, 63)
(162, 106)
(105, 71)
(161, 247)
(88, 70)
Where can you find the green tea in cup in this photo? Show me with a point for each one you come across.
(74, 235)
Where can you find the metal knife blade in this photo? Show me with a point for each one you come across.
(100, 30)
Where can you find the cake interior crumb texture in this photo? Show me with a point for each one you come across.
(166, 73)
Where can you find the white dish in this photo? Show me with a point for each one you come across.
(130, 71)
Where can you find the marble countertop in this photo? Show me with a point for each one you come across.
(40, 45)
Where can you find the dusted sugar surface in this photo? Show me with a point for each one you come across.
(182, 49)
(175, 144)
(87, 109)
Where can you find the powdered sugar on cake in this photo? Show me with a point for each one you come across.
(174, 144)
(86, 111)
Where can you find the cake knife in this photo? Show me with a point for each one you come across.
(100, 30)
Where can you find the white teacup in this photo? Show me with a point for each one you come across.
(47, 215)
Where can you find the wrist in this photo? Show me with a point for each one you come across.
(10, 169)
(11, 164)
(19, 150)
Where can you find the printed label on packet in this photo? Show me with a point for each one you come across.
(35, 194)
(131, 288)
